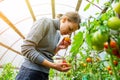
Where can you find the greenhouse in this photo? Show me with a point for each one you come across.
(59, 39)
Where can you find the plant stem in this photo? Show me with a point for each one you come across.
(114, 71)
(105, 9)
(94, 4)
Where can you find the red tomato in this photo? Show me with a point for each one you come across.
(118, 55)
(110, 72)
(106, 45)
(64, 61)
(108, 68)
(67, 39)
(89, 59)
(115, 51)
(113, 44)
(115, 62)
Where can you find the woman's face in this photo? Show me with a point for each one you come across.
(67, 27)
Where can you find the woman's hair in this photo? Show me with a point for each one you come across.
(59, 16)
(73, 17)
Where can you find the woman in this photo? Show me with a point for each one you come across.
(40, 46)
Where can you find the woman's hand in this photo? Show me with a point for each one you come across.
(64, 43)
(63, 67)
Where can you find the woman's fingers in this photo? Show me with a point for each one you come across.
(67, 43)
(65, 67)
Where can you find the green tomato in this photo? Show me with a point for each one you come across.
(98, 40)
(98, 47)
(114, 23)
(69, 73)
(116, 7)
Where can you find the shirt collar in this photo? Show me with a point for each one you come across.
(57, 23)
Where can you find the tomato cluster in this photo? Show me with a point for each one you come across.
(114, 48)
(109, 70)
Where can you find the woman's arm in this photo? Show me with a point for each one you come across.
(28, 48)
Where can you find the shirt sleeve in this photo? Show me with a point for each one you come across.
(37, 31)
(28, 49)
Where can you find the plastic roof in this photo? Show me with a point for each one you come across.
(16, 13)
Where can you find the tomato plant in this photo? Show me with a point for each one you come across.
(95, 51)
(8, 72)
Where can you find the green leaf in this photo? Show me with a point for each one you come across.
(87, 7)
(81, 54)
(78, 40)
(104, 16)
